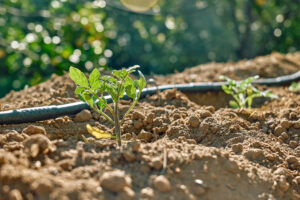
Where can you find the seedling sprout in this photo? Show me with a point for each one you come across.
(92, 90)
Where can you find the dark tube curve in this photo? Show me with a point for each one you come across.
(49, 112)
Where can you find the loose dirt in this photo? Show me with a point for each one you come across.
(176, 146)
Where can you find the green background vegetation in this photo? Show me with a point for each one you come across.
(39, 38)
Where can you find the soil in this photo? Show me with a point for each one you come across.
(175, 145)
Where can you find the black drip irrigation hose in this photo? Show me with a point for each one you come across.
(50, 112)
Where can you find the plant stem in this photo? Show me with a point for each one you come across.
(131, 107)
(128, 111)
(117, 116)
(117, 124)
(99, 99)
(106, 116)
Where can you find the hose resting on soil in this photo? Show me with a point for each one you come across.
(50, 112)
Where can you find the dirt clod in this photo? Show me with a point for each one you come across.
(32, 130)
(114, 181)
(84, 115)
(194, 121)
(237, 148)
(37, 144)
(254, 154)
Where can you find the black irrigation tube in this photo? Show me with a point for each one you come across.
(50, 112)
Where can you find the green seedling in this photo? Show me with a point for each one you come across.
(295, 87)
(243, 92)
(92, 90)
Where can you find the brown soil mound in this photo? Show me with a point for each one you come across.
(178, 146)
(266, 66)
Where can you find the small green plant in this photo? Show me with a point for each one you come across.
(295, 87)
(243, 92)
(92, 90)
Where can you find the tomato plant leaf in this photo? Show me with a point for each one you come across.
(78, 77)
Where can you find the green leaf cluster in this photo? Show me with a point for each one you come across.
(243, 92)
(92, 91)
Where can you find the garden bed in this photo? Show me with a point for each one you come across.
(179, 146)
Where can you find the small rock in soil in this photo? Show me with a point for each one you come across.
(293, 144)
(193, 121)
(162, 184)
(84, 115)
(291, 159)
(237, 148)
(278, 130)
(32, 130)
(254, 154)
(114, 181)
(147, 193)
(156, 163)
(126, 194)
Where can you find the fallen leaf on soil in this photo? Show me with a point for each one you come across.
(97, 133)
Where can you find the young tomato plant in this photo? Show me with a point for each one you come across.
(243, 92)
(91, 91)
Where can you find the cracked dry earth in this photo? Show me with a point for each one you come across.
(178, 146)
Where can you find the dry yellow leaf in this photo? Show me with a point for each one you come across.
(97, 133)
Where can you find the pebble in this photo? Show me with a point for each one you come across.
(114, 181)
(204, 113)
(285, 124)
(32, 130)
(291, 159)
(254, 154)
(278, 130)
(147, 192)
(237, 148)
(84, 115)
(156, 163)
(126, 194)
(293, 144)
(194, 121)
(162, 184)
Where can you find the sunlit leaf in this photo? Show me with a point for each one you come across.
(97, 133)
(78, 77)
(94, 79)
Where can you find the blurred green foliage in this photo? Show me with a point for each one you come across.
(38, 38)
